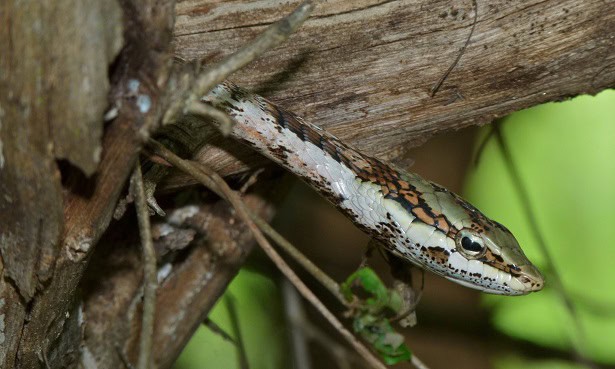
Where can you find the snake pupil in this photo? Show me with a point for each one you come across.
(470, 245)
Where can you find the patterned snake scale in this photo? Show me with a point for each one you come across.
(417, 220)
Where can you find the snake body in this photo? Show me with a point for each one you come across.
(417, 220)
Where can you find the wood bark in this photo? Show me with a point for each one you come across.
(362, 69)
(47, 235)
(201, 255)
(365, 69)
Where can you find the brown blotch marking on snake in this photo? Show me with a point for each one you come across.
(403, 185)
(411, 196)
(498, 262)
(391, 187)
(394, 187)
(436, 254)
(279, 152)
(442, 223)
(367, 169)
(422, 215)
(385, 191)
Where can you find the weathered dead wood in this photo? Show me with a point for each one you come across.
(53, 90)
(39, 79)
(215, 245)
(91, 33)
(364, 69)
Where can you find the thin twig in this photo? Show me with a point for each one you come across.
(251, 180)
(418, 364)
(216, 329)
(535, 229)
(214, 182)
(298, 256)
(150, 282)
(303, 332)
(225, 122)
(123, 357)
(295, 313)
(273, 36)
(343, 358)
(270, 38)
(239, 344)
(438, 84)
(483, 144)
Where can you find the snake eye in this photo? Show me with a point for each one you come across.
(470, 244)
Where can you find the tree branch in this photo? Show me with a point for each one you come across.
(48, 335)
(213, 245)
(365, 70)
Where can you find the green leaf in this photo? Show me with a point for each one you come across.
(372, 303)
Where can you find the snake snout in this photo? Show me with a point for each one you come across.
(531, 278)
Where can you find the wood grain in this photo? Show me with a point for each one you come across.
(364, 69)
(58, 227)
(91, 33)
(214, 245)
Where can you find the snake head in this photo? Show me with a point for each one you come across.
(452, 238)
(496, 262)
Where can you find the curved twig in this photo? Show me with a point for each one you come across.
(270, 38)
(214, 182)
(150, 282)
(438, 84)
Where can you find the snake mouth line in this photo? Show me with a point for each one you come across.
(527, 281)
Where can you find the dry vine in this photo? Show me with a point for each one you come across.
(203, 83)
(214, 182)
(52, 218)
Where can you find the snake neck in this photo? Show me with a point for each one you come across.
(415, 219)
(334, 168)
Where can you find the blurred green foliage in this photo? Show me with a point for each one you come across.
(514, 362)
(254, 301)
(565, 154)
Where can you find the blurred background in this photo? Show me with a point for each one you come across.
(564, 154)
